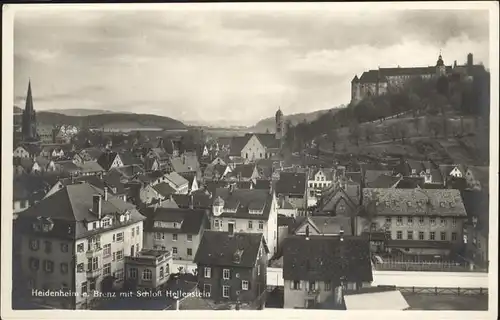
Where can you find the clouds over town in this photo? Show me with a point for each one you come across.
(236, 66)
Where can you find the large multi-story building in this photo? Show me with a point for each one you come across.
(417, 221)
(384, 80)
(75, 241)
(246, 210)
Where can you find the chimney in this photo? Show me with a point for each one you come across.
(307, 232)
(159, 202)
(341, 233)
(97, 205)
(105, 193)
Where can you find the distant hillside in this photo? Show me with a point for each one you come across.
(109, 119)
(269, 123)
(82, 112)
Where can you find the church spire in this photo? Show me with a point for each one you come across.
(29, 99)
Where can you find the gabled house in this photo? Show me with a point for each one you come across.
(325, 226)
(90, 154)
(175, 229)
(68, 167)
(192, 181)
(335, 201)
(318, 270)
(109, 160)
(232, 266)
(218, 160)
(21, 152)
(199, 199)
(186, 163)
(318, 179)
(151, 164)
(292, 186)
(90, 168)
(243, 210)
(215, 172)
(128, 159)
(242, 172)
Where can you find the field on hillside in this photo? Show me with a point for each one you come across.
(376, 139)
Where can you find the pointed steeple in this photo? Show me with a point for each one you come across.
(29, 100)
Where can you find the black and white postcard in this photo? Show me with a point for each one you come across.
(253, 160)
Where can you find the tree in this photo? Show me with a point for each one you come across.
(369, 131)
(434, 126)
(416, 124)
(402, 131)
(392, 132)
(333, 137)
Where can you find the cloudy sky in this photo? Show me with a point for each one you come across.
(236, 66)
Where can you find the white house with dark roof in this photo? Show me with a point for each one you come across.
(318, 179)
(255, 146)
(76, 240)
(178, 230)
(419, 221)
(246, 210)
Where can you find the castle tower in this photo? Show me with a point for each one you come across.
(355, 90)
(279, 125)
(29, 118)
(440, 67)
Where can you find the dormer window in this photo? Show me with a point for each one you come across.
(409, 203)
(442, 204)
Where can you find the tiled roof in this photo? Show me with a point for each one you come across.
(201, 200)
(68, 166)
(323, 258)
(106, 159)
(219, 248)
(291, 183)
(394, 243)
(243, 200)
(164, 189)
(237, 144)
(383, 181)
(185, 163)
(192, 220)
(262, 184)
(212, 186)
(372, 76)
(90, 166)
(268, 140)
(94, 153)
(244, 171)
(73, 205)
(129, 159)
(332, 225)
(410, 183)
(354, 177)
(404, 202)
(176, 179)
(128, 171)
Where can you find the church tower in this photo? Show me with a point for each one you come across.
(29, 118)
(440, 67)
(279, 125)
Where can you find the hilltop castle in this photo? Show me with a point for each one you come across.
(383, 80)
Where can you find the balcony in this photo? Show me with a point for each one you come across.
(93, 251)
(94, 273)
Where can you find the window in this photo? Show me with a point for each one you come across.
(312, 285)
(147, 275)
(119, 255)
(295, 285)
(421, 235)
(162, 273)
(410, 220)
(136, 247)
(189, 237)
(84, 288)
(216, 224)
(119, 237)
(159, 236)
(107, 250)
(64, 268)
(94, 225)
(373, 226)
(207, 288)
(64, 247)
(328, 286)
(137, 230)
(48, 246)
(80, 267)
(107, 269)
(48, 266)
(225, 291)
(250, 224)
(399, 235)
(453, 236)
(454, 221)
(114, 256)
(443, 221)
(189, 251)
(208, 272)
(174, 250)
(34, 245)
(409, 235)
(174, 237)
(244, 285)
(132, 273)
(432, 235)
(443, 236)
(119, 274)
(95, 263)
(399, 220)
(388, 220)
(258, 270)
(34, 264)
(133, 232)
(261, 225)
(421, 220)
(225, 274)
(433, 221)
(106, 223)
(80, 247)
